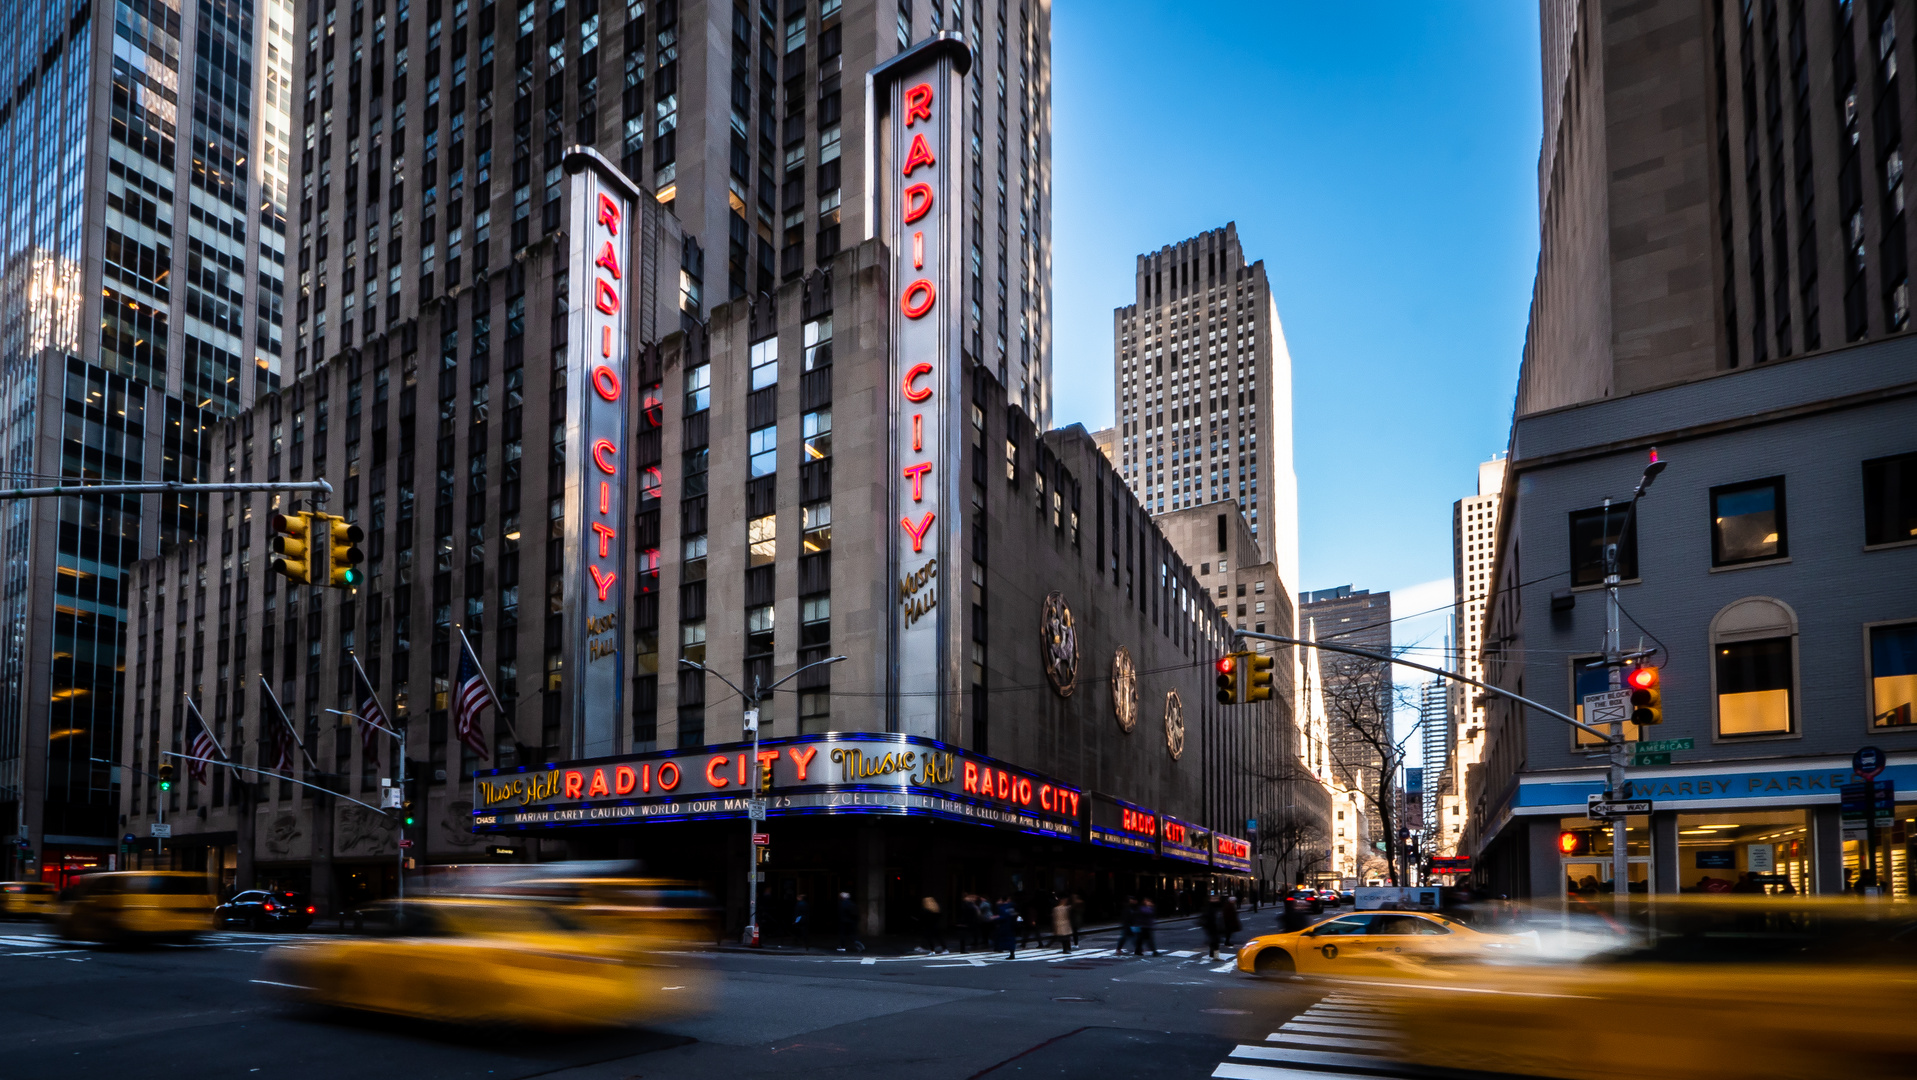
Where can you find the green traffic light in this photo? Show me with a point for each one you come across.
(409, 819)
(166, 785)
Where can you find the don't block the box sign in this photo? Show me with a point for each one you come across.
(604, 265)
(913, 153)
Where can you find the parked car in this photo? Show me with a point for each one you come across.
(27, 899)
(262, 909)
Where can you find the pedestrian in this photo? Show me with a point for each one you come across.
(1147, 928)
(1030, 929)
(849, 924)
(1078, 918)
(1209, 920)
(965, 920)
(1062, 924)
(1127, 923)
(800, 911)
(1232, 923)
(931, 926)
(1006, 923)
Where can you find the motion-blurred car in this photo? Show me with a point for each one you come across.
(1747, 987)
(1366, 943)
(27, 899)
(1329, 897)
(262, 909)
(483, 961)
(137, 905)
(644, 911)
(1304, 900)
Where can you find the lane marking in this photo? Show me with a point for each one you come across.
(1232, 1070)
(269, 982)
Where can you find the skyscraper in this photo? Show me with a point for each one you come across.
(143, 198)
(1434, 715)
(1357, 692)
(1203, 388)
(1474, 532)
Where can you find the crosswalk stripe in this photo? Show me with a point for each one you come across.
(1306, 1057)
(1295, 1028)
(1315, 1017)
(1310, 1041)
(1232, 1070)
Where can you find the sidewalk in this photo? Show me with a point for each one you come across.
(904, 944)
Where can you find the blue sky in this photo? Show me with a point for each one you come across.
(1382, 160)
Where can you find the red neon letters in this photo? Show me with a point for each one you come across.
(605, 380)
(918, 201)
(917, 532)
(916, 300)
(920, 156)
(913, 393)
(918, 103)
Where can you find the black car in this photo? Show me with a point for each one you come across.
(260, 909)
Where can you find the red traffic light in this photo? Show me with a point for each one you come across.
(1570, 843)
(1227, 665)
(1644, 678)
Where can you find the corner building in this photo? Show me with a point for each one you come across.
(759, 476)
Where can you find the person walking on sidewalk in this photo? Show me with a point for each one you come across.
(1062, 924)
(1127, 924)
(1005, 922)
(965, 921)
(800, 912)
(1147, 928)
(1209, 920)
(932, 927)
(849, 924)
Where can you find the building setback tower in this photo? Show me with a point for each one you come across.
(1203, 385)
(143, 201)
(1474, 531)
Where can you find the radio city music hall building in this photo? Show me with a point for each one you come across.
(595, 476)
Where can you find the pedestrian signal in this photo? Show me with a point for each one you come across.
(1574, 843)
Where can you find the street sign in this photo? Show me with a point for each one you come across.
(1862, 805)
(1451, 864)
(1651, 759)
(1664, 746)
(1604, 810)
(1867, 762)
(160, 831)
(762, 839)
(404, 844)
(1609, 707)
(498, 851)
(755, 810)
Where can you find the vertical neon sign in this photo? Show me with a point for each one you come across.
(598, 391)
(914, 156)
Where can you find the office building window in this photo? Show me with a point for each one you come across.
(698, 388)
(765, 363)
(818, 527)
(695, 472)
(692, 641)
(762, 540)
(1591, 530)
(818, 342)
(1747, 522)
(1893, 675)
(763, 450)
(1890, 500)
(1754, 668)
(817, 429)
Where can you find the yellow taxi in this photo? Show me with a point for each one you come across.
(27, 899)
(645, 911)
(1368, 942)
(1703, 988)
(483, 961)
(137, 905)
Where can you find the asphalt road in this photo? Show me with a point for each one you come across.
(78, 1011)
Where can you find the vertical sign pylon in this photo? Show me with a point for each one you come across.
(603, 264)
(914, 150)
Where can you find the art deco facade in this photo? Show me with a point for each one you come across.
(143, 225)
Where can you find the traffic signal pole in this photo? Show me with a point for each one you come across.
(1614, 673)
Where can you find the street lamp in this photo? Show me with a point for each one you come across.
(751, 719)
(1614, 661)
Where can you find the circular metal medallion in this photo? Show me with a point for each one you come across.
(1059, 638)
(1124, 690)
(1174, 725)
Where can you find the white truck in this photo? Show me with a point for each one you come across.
(1398, 897)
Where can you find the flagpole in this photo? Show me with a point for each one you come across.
(499, 702)
(399, 871)
(201, 717)
(290, 729)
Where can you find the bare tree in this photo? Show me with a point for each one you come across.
(1360, 699)
(1292, 836)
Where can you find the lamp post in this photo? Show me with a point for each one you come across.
(1614, 660)
(751, 722)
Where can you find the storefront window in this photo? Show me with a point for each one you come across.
(1892, 859)
(1746, 851)
(1893, 675)
(1587, 859)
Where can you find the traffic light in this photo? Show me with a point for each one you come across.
(1257, 677)
(293, 546)
(409, 794)
(1228, 679)
(343, 539)
(1574, 843)
(1647, 702)
(166, 778)
(765, 777)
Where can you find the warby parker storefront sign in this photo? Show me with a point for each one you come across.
(913, 152)
(811, 774)
(604, 265)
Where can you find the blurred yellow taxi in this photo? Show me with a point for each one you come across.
(644, 911)
(137, 905)
(27, 899)
(1747, 987)
(483, 961)
(1367, 942)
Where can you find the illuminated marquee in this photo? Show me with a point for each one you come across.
(1231, 853)
(603, 265)
(835, 773)
(915, 148)
(1184, 841)
(1120, 824)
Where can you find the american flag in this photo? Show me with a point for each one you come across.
(282, 732)
(202, 744)
(471, 696)
(371, 717)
